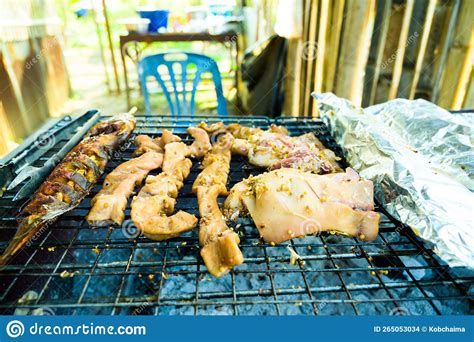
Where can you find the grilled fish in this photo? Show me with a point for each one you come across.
(71, 180)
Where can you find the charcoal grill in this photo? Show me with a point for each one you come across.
(73, 269)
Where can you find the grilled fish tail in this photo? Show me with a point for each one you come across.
(23, 236)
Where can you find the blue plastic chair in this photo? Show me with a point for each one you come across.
(178, 103)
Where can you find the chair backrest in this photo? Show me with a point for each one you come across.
(177, 64)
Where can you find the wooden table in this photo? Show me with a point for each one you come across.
(133, 44)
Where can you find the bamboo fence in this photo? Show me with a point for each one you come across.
(371, 51)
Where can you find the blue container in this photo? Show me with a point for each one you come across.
(158, 18)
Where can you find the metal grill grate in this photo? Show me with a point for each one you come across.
(74, 269)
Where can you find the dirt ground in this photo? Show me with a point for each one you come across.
(88, 84)
(90, 91)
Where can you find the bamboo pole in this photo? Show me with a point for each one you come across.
(354, 54)
(321, 47)
(400, 53)
(447, 40)
(291, 69)
(259, 21)
(334, 35)
(6, 133)
(469, 98)
(309, 54)
(293, 78)
(304, 62)
(459, 60)
(422, 48)
(101, 46)
(386, 14)
(295, 109)
(466, 75)
(111, 46)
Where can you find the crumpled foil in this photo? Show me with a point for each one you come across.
(421, 186)
(447, 140)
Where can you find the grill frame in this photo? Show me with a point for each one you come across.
(336, 259)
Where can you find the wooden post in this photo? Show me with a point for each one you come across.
(111, 46)
(25, 125)
(356, 36)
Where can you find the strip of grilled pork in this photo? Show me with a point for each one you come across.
(152, 209)
(146, 143)
(219, 244)
(109, 204)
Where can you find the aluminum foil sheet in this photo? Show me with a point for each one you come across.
(390, 144)
(447, 141)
